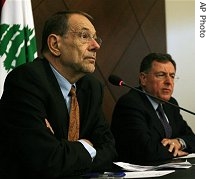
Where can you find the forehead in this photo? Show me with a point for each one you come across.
(157, 66)
(80, 22)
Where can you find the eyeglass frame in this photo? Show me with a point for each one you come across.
(163, 75)
(86, 37)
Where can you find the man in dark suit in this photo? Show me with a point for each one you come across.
(34, 107)
(139, 133)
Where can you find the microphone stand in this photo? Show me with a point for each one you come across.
(124, 84)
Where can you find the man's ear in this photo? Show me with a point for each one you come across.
(142, 78)
(52, 41)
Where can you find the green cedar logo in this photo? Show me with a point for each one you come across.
(17, 45)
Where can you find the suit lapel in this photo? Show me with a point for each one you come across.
(155, 121)
(60, 117)
(83, 97)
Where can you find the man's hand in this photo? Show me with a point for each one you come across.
(174, 146)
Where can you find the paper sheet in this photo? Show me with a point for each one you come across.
(141, 168)
(147, 174)
(187, 156)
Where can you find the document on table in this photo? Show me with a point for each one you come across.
(141, 168)
(147, 174)
(187, 156)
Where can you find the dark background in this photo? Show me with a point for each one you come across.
(130, 29)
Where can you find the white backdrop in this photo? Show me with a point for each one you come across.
(180, 29)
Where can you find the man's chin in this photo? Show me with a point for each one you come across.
(89, 69)
(166, 98)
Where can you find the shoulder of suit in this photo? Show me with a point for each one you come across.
(89, 78)
(29, 68)
(173, 100)
(89, 81)
(35, 62)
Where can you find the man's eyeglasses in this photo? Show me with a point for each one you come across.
(87, 37)
(163, 76)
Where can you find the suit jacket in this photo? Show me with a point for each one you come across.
(28, 147)
(138, 130)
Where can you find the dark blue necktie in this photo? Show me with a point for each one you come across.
(166, 125)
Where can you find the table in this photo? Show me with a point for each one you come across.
(188, 173)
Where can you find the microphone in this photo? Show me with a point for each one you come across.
(117, 81)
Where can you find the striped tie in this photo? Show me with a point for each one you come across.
(166, 125)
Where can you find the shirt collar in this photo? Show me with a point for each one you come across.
(65, 86)
(153, 102)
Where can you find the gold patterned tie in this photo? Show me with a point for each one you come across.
(74, 122)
